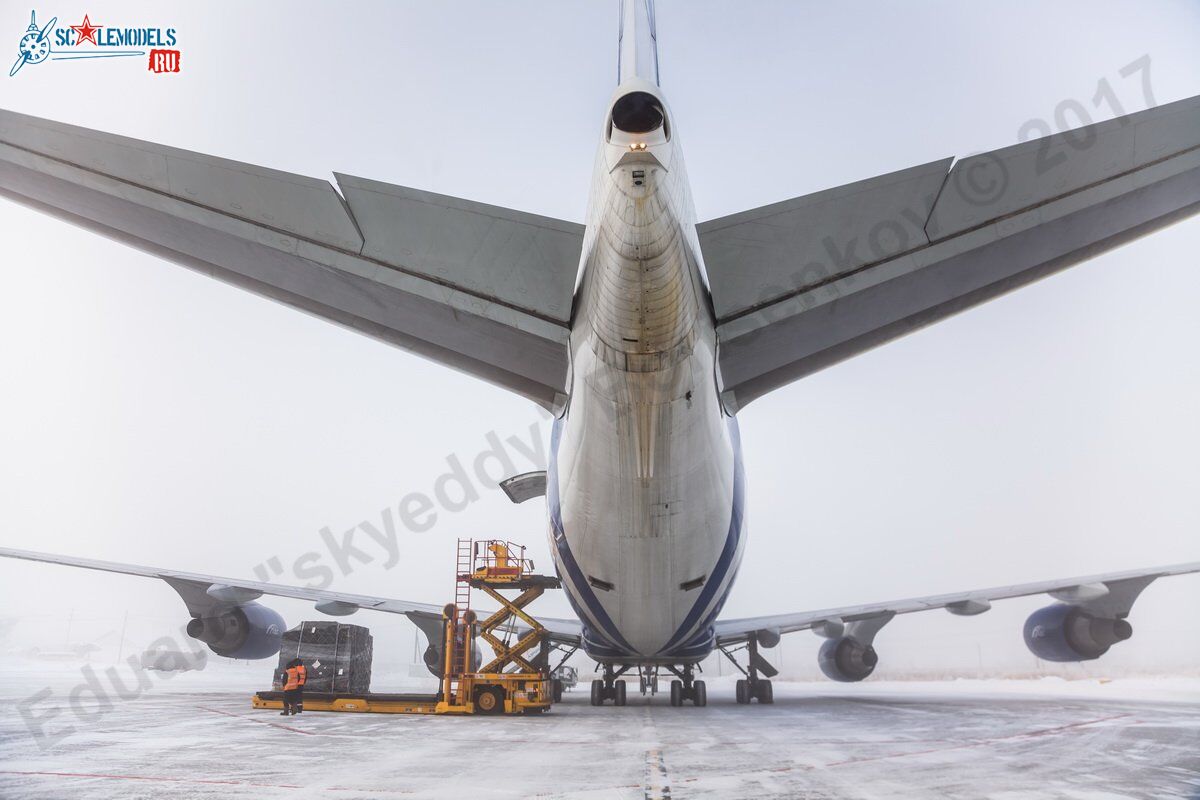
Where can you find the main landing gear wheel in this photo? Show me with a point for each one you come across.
(676, 693)
(610, 687)
(699, 693)
(759, 690)
(758, 671)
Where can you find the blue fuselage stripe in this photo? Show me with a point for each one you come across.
(583, 593)
(726, 561)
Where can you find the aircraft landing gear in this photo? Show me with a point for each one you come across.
(648, 679)
(753, 687)
(686, 687)
(746, 690)
(609, 687)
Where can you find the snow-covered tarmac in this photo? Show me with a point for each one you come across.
(1003, 740)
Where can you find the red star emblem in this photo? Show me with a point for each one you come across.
(86, 32)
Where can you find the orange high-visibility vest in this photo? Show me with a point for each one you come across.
(293, 678)
(302, 675)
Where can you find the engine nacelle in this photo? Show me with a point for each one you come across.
(435, 647)
(847, 660)
(768, 637)
(247, 631)
(1064, 632)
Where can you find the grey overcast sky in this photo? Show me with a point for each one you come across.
(151, 415)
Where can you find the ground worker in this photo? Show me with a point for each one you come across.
(301, 679)
(291, 688)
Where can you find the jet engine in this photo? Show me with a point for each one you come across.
(246, 631)
(434, 656)
(846, 659)
(1064, 632)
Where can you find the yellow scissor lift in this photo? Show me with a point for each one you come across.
(510, 683)
(515, 681)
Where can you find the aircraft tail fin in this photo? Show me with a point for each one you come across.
(637, 42)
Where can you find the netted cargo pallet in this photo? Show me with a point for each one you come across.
(336, 656)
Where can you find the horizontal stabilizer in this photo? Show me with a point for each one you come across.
(802, 284)
(482, 289)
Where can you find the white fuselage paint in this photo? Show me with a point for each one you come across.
(642, 489)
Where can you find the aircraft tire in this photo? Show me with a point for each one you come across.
(742, 691)
(597, 692)
(699, 694)
(766, 695)
(619, 691)
(676, 693)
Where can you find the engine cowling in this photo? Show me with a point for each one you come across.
(247, 631)
(434, 656)
(1064, 633)
(847, 660)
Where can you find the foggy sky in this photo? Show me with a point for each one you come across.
(152, 415)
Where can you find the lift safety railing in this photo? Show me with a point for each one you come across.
(496, 559)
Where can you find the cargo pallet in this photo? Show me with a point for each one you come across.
(513, 682)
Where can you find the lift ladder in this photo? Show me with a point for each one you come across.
(459, 621)
(462, 587)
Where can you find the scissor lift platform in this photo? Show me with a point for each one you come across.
(514, 681)
(523, 583)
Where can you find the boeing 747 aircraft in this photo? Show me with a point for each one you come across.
(645, 333)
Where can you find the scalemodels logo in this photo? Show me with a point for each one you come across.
(53, 42)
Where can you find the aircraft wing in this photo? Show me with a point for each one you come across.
(483, 289)
(802, 284)
(208, 594)
(1110, 594)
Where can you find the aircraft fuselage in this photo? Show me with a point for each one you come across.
(645, 489)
